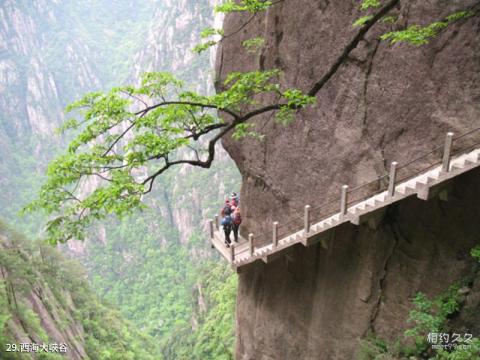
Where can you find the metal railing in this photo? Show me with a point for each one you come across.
(348, 197)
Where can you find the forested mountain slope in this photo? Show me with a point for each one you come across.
(46, 299)
(157, 266)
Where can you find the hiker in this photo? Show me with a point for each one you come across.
(227, 208)
(234, 199)
(227, 229)
(236, 221)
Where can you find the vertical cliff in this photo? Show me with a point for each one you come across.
(386, 103)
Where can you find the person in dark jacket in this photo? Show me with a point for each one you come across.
(236, 221)
(227, 208)
(227, 229)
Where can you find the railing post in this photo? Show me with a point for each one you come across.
(392, 178)
(217, 226)
(232, 253)
(344, 200)
(275, 234)
(306, 219)
(446, 152)
(250, 244)
(210, 226)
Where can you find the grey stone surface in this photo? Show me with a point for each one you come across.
(316, 302)
(388, 103)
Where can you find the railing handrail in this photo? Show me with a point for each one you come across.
(344, 204)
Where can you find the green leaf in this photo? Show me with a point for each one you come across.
(204, 46)
(205, 33)
(420, 35)
(475, 252)
(254, 45)
(361, 21)
(252, 6)
(368, 4)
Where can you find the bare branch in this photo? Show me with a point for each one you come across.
(120, 137)
(134, 97)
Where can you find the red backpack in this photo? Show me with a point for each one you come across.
(237, 219)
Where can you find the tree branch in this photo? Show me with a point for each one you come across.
(337, 63)
(350, 46)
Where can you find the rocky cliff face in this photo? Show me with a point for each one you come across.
(386, 103)
(318, 302)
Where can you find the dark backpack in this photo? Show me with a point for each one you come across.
(237, 219)
(227, 210)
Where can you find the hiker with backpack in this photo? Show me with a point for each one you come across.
(227, 209)
(227, 229)
(231, 218)
(236, 221)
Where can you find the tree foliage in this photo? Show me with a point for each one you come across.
(251, 6)
(428, 316)
(215, 36)
(122, 143)
(253, 45)
(420, 35)
(475, 252)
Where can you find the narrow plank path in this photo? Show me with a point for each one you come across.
(423, 185)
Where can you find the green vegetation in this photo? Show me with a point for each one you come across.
(367, 4)
(116, 144)
(420, 35)
(155, 279)
(252, 6)
(214, 36)
(33, 270)
(254, 45)
(214, 337)
(429, 318)
(413, 34)
(166, 285)
(81, 46)
(362, 20)
(476, 253)
(121, 136)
